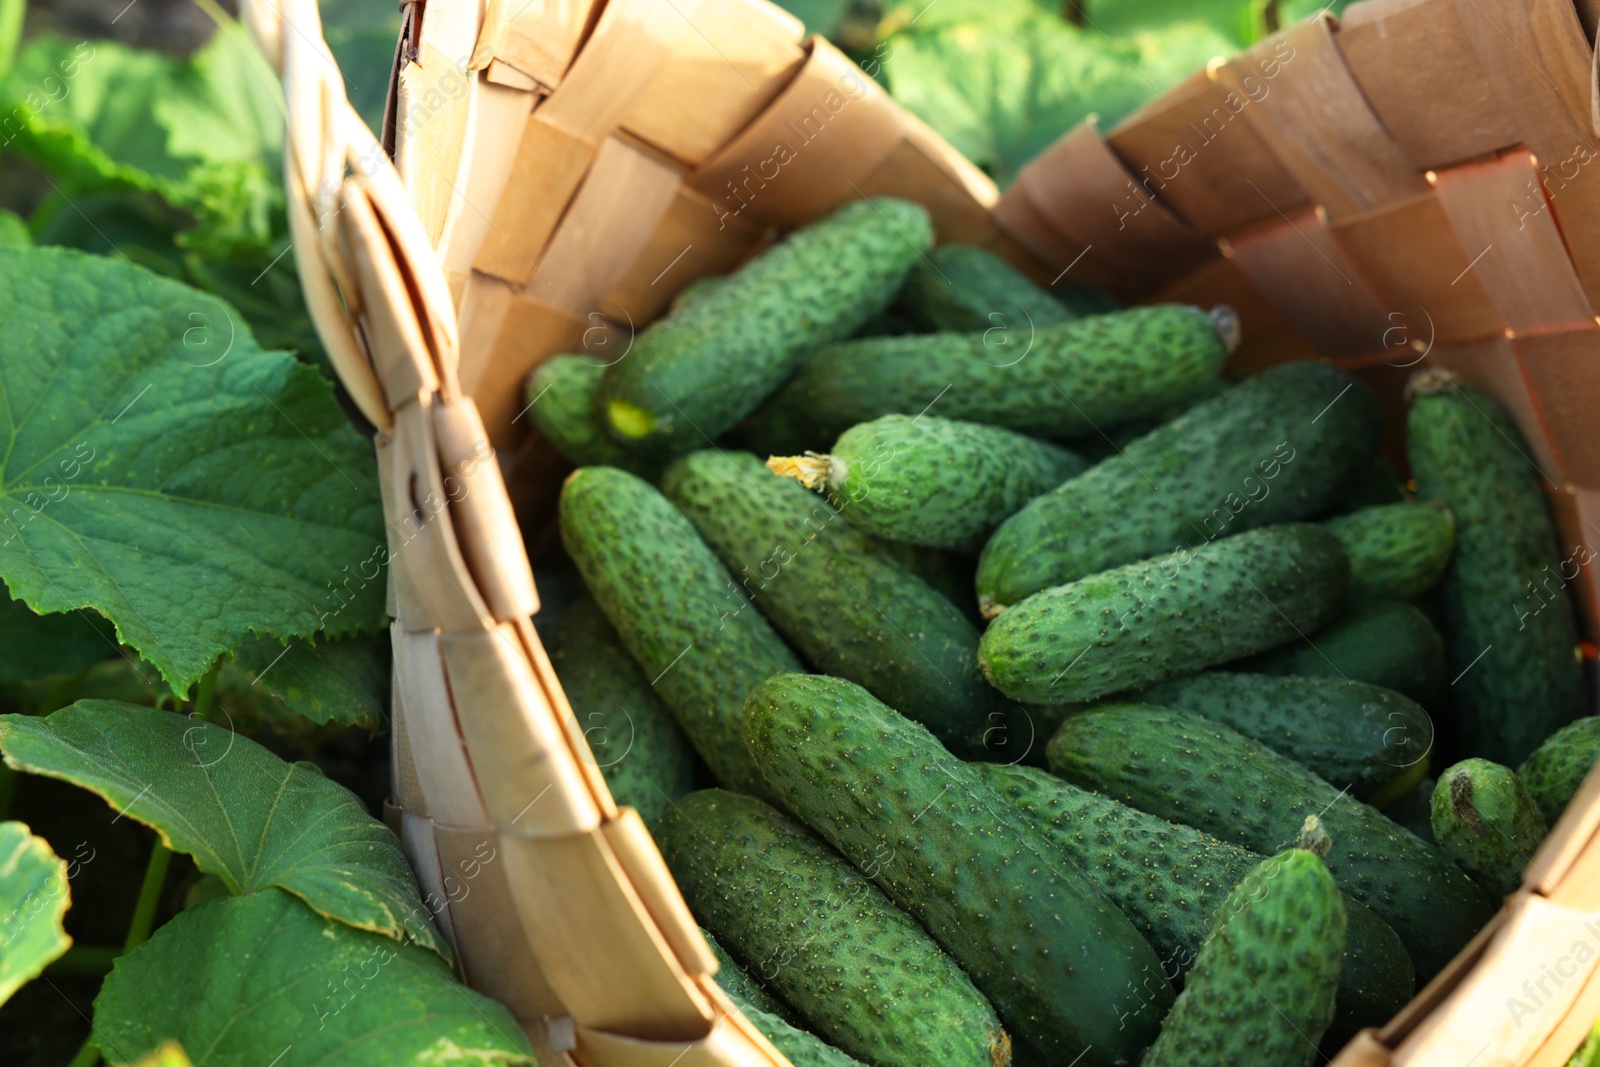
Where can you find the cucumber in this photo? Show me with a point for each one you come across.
(1063, 381)
(1169, 879)
(1262, 991)
(1485, 819)
(961, 288)
(1370, 740)
(1397, 551)
(633, 739)
(561, 405)
(1143, 622)
(799, 1047)
(1068, 973)
(949, 574)
(1270, 450)
(1509, 632)
(741, 987)
(1558, 767)
(931, 481)
(1387, 643)
(677, 610)
(862, 974)
(1097, 447)
(695, 290)
(701, 369)
(1183, 767)
(844, 607)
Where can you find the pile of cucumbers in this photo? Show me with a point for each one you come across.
(1002, 685)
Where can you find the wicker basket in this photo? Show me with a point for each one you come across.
(1404, 187)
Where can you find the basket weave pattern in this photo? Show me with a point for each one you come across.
(1398, 190)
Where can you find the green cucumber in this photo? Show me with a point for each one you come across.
(1388, 643)
(742, 987)
(561, 405)
(1169, 879)
(1143, 622)
(1068, 973)
(1397, 551)
(697, 372)
(1485, 819)
(695, 290)
(1273, 449)
(962, 288)
(1183, 767)
(824, 585)
(1262, 991)
(1059, 382)
(801, 1048)
(1510, 635)
(1370, 740)
(861, 973)
(1558, 767)
(676, 609)
(633, 739)
(931, 481)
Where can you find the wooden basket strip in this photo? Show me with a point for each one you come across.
(1116, 220)
(494, 964)
(421, 849)
(809, 151)
(392, 334)
(636, 851)
(541, 38)
(924, 168)
(1567, 504)
(530, 332)
(1524, 263)
(526, 774)
(501, 118)
(1064, 260)
(1267, 338)
(432, 738)
(1419, 73)
(731, 58)
(554, 702)
(631, 43)
(1558, 368)
(1539, 63)
(616, 970)
(689, 242)
(733, 1042)
(405, 784)
(1192, 147)
(435, 112)
(1412, 256)
(549, 166)
(1315, 120)
(606, 226)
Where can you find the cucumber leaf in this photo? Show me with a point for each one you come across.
(165, 471)
(344, 681)
(244, 980)
(245, 815)
(33, 898)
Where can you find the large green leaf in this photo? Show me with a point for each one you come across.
(33, 898)
(245, 815)
(165, 471)
(246, 980)
(344, 681)
(204, 133)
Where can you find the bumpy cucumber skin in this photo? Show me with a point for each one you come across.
(1061, 382)
(1349, 734)
(698, 371)
(1183, 767)
(1262, 991)
(847, 609)
(1485, 820)
(634, 740)
(961, 288)
(1169, 879)
(939, 482)
(561, 405)
(1467, 453)
(676, 609)
(1063, 967)
(695, 290)
(1397, 551)
(1387, 643)
(861, 972)
(1254, 456)
(1558, 767)
(1143, 622)
(741, 988)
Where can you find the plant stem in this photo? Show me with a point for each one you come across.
(88, 1055)
(86, 960)
(144, 911)
(206, 696)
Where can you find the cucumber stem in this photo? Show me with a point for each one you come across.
(88, 1055)
(811, 470)
(205, 696)
(144, 910)
(1313, 838)
(86, 960)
